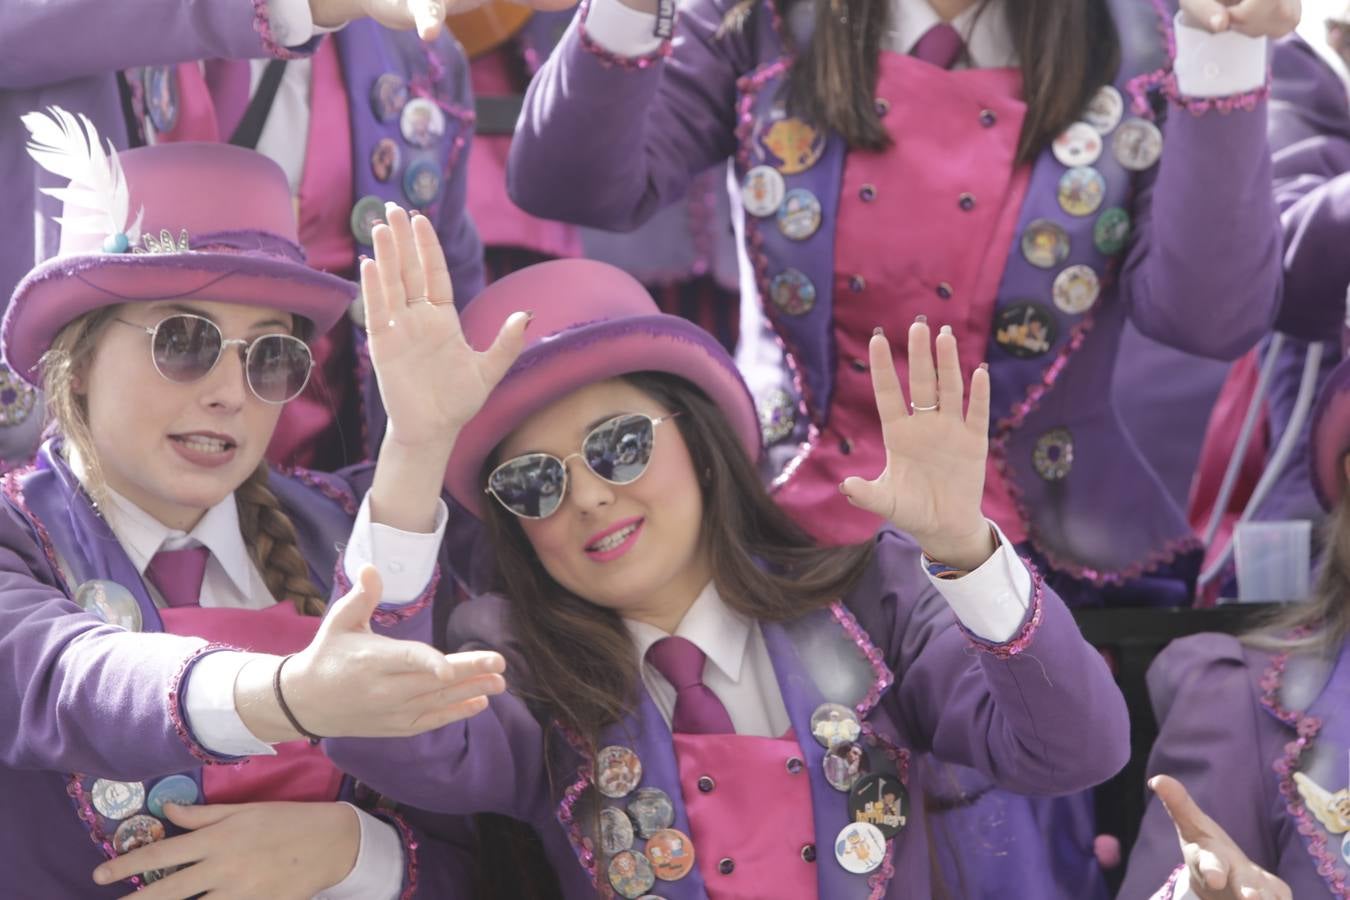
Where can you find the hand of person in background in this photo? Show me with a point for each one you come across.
(1254, 18)
(426, 16)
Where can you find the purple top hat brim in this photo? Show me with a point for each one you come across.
(587, 354)
(1329, 435)
(62, 289)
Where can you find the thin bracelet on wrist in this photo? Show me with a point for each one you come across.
(285, 709)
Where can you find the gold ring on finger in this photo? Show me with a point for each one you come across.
(919, 409)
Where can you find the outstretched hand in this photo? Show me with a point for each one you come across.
(426, 16)
(1255, 18)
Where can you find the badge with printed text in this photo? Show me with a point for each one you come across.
(860, 847)
(117, 800)
(618, 771)
(1076, 289)
(1081, 191)
(1137, 144)
(177, 789)
(882, 801)
(671, 854)
(1025, 330)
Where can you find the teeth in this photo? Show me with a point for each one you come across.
(204, 444)
(604, 545)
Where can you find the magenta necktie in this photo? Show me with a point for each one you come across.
(229, 81)
(940, 45)
(177, 575)
(697, 709)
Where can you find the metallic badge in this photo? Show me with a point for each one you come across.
(1112, 231)
(178, 789)
(1053, 457)
(384, 159)
(651, 811)
(1025, 330)
(16, 398)
(1076, 289)
(1345, 849)
(762, 191)
(880, 800)
(1105, 109)
(790, 145)
(792, 292)
(777, 416)
(844, 764)
(618, 771)
(1330, 808)
(422, 183)
(630, 874)
(1081, 191)
(799, 216)
(422, 123)
(366, 214)
(117, 800)
(1078, 145)
(1137, 144)
(1045, 244)
(671, 854)
(616, 831)
(834, 723)
(860, 848)
(388, 96)
(137, 832)
(160, 84)
(110, 602)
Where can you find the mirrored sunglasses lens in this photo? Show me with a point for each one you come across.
(530, 486)
(620, 449)
(186, 347)
(278, 367)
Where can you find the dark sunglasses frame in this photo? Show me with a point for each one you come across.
(580, 454)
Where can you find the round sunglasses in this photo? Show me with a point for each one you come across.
(186, 347)
(617, 450)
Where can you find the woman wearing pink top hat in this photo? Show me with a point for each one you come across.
(704, 702)
(161, 587)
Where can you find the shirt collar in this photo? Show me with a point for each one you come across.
(988, 39)
(712, 626)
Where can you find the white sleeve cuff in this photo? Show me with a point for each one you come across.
(620, 29)
(209, 705)
(991, 601)
(1217, 65)
(378, 873)
(1181, 890)
(291, 22)
(405, 559)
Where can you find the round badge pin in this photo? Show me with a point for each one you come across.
(860, 847)
(1025, 330)
(844, 764)
(618, 771)
(1345, 849)
(789, 144)
(1078, 145)
(792, 292)
(777, 416)
(762, 191)
(1076, 289)
(16, 399)
(160, 84)
(1045, 244)
(651, 810)
(834, 723)
(1112, 231)
(384, 159)
(177, 789)
(631, 874)
(880, 800)
(1053, 456)
(799, 214)
(137, 832)
(422, 183)
(1105, 109)
(388, 96)
(422, 123)
(671, 854)
(1081, 191)
(111, 602)
(117, 800)
(1137, 144)
(616, 831)
(366, 214)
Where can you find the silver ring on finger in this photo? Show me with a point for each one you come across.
(919, 409)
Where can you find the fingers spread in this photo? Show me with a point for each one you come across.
(886, 387)
(372, 298)
(977, 414)
(410, 265)
(507, 347)
(922, 371)
(431, 258)
(950, 383)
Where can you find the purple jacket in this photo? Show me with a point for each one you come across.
(606, 142)
(81, 700)
(1039, 714)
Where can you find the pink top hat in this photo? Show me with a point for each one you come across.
(591, 322)
(216, 223)
(1329, 434)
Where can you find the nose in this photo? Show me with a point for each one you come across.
(225, 387)
(588, 491)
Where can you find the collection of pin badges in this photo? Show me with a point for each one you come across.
(135, 816)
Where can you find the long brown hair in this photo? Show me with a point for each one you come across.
(268, 532)
(1067, 50)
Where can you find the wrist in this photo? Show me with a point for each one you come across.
(256, 702)
(965, 552)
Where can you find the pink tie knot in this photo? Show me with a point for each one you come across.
(940, 45)
(177, 574)
(679, 660)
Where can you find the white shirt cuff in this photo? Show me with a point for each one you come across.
(991, 601)
(209, 705)
(1217, 65)
(405, 559)
(378, 873)
(620, 29)
(1181, 890)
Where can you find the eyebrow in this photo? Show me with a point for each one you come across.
(196, 311)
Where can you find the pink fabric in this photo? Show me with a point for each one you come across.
(940, 46)
(934, 119)
(228, 80)
(697, 709)
(758, 813)
(196, 111)
(298, 771)
(177, 575)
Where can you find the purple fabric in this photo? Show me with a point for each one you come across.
(697, 709)
(940, 45)
(177, 574)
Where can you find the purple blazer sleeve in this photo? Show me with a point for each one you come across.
(1209, 739)
(1039, 714)
(606, 143)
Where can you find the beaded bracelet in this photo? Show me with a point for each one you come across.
(285, 709)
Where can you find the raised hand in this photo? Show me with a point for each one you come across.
(1256, 18)
(1218, 868)
(935, 450)
(427, 16)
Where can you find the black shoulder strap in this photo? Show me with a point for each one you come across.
(255, 117)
